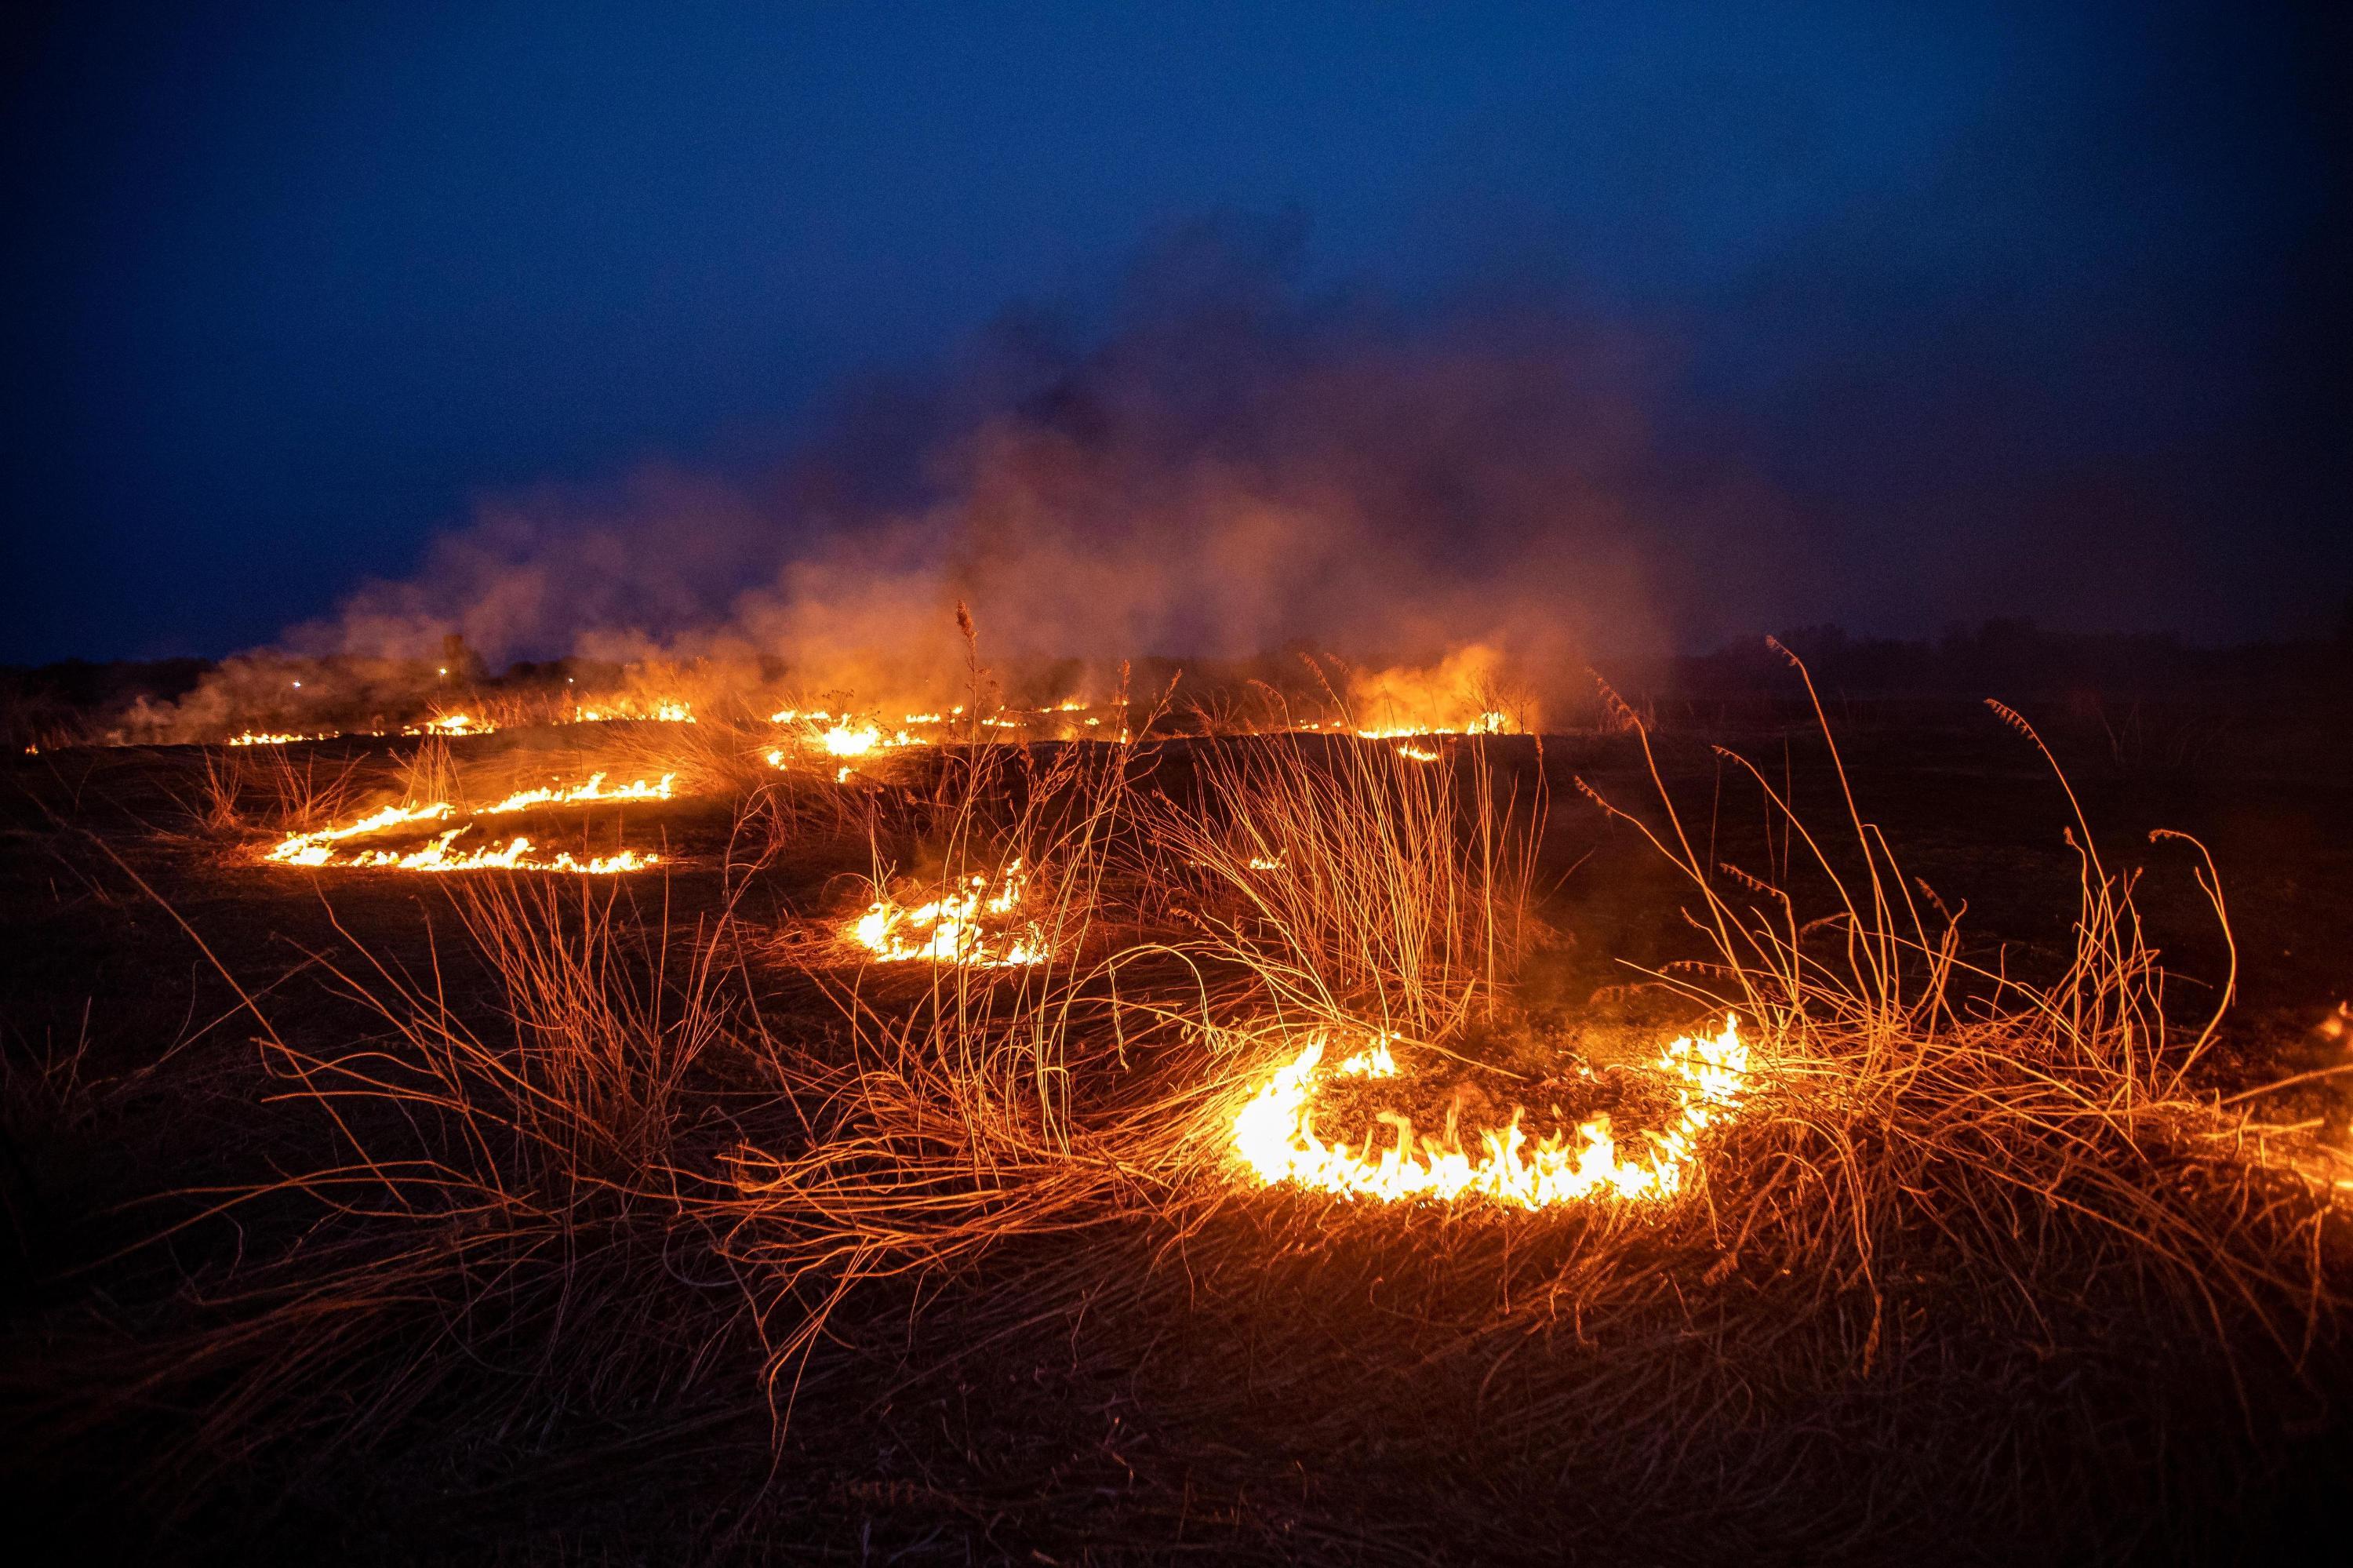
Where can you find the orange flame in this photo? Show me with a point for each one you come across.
(844, 735)
(450, 725)
(591, 792)
(438, 856)
(954, 928)
(318, 847)
(1273, 1134)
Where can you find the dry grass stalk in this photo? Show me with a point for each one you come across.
(1919, 1087)
(1355, 883)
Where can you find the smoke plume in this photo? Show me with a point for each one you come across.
(1217, 467)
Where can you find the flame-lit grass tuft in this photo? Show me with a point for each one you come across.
(1350, 883)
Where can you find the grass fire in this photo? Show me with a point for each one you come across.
(330, 846)
(1391, 787)
(1507, 1056)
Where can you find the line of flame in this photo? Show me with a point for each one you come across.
(592, 791)
(438, 856)
(317, 848)
(639, 713)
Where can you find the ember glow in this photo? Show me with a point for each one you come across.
(967, 924)
(1275, 1135)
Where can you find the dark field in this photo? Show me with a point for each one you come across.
(810, 1276)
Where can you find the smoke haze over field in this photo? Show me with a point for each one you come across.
(1584, 326)
(1230, 469)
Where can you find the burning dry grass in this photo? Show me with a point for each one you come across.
(252, 739)
(974, 921)
(2022, 1134)
(1942, 1178)
(1275, 1135)
(453, 725)
(431, 799)
(1021, 844)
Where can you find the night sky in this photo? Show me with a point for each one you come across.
(2038, 310)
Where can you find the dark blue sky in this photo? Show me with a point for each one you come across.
(2035, 310)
